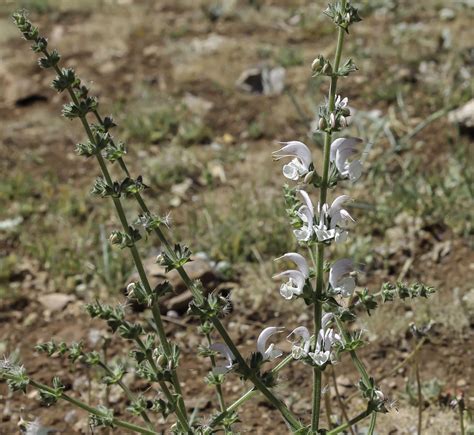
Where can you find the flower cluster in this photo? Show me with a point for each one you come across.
(327, 342)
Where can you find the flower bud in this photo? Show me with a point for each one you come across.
(322, 124)
(161, 361)
(316, 65)
(308, 177)
(380, 395)
(131, 289)
(332, 120)
(114, 238)
(342, 122)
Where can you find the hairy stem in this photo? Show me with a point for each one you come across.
(92, 410)
(288, 416)
(420, 396)
(248, 395)
(373, 420)
(350, 423)
(197, 294)
(127, 392)
(182, 418)
(136, 256)
(219, 394)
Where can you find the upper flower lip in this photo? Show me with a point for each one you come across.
(344, 144)
(270, 352)
(298, 259)
(227, 353)
(341, 150)
(296, 149)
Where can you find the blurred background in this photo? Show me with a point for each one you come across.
(201, 91)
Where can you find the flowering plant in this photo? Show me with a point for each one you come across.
(154, 356)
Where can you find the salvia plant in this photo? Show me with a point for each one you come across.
(326, 285)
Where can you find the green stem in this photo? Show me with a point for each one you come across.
(92, 410)
(249, 394)
(136, 256)
(420, 396)
(373, 420)
(350, 423)
(288, 416)
(127, 392)
(220, 396)
(182, 418)
(316, 401)
(461, 419)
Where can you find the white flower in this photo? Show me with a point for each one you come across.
(300, 347)
(379, 395)
(299, 166)
(306, 214)
(333, 220)
(326, 339)
(340, 279)
(341, 103)
(224, 350)
(271, 352)
(341, 150)
(296, 278)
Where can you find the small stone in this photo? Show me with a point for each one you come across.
(461, 383)
(71, 416)
(264, 80)
(181, 188)
(197, 105)
(55, 301)
(464, 117)
(447, 14)
(30, 319)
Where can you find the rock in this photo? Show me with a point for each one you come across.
(30, 319)
(71, 417)
(344, 384)
(263, 80)
(464, 117)
(447, 14)
(55, 301)
(199, 106)
(181, 188)
(18, 90)
(217, 171)
(94, 336)
(208, 45)
(10, 224)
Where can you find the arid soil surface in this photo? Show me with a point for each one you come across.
(169, 71)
